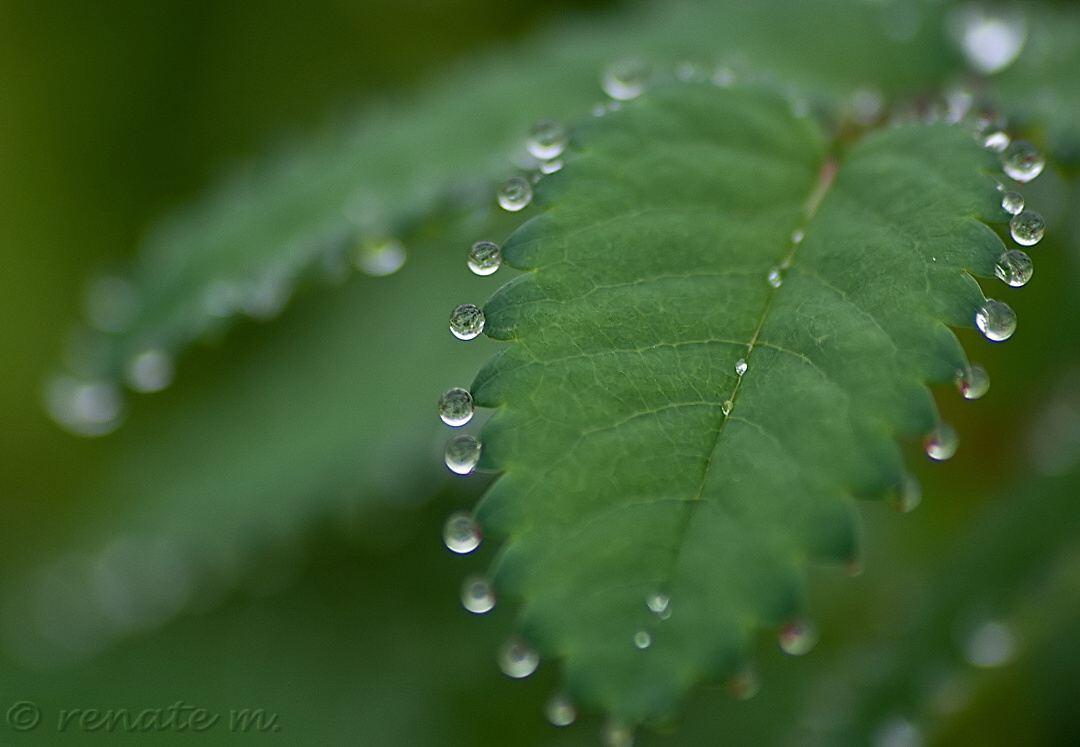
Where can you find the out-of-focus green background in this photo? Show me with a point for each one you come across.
(113, 112)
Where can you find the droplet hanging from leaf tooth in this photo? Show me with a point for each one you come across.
(515, 194)
(1012, 203)
(462, 454)
(466, 321)
(942, 442)
(485, 257)
(1027, 228)
(996, 320)
(547, 139)
(460, 533)
(477, 596)
(456, 407)
(625, 80)
(1022, 161)
(797, 637)
(1014, 268)
(642, 639)
(517, 659)
(974, 383)
(560, 710)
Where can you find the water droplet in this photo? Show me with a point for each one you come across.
(866, 106)
(642, 639)
(745, 683)
(797, 237)
(560, 710)
(996, 320)
(1022, 161)
(625, 80)
(957, 104)
(992, 644)
(150, 371)
(797, 637)
(688, 71)
(657, 602)
(380, 259)
(617, 734)
(477, 596)
(460, 533)
(908, 494)
(84, 407)
(517, 660)
(462, 454)
(996, 141)
(724, 77)
(547, 139)
(1012, 203)
(1027, 228)
(1014, 268)
(896, 732)
(942, 442)
(485, 257)
(974, 383)
(740, 366)
(775, 278)
(515, 194)
(456, 407)
(466, 321)
(990, 39)
(550, 167)
(599, 110)
(726, 407)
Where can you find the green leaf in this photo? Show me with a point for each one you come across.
(634, 459)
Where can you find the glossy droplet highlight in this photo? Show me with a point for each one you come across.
(462, 454)
(1022, 161)
(380, 259)
(657, 602)
(456, 407)
(740, 367)
(625, 80)
(974, 383)
(485, 257)
(516, 659)
(798, 637)
(460, 533)
(466, 321)
(1014, 268)
(991, 39)
(797, 237)
(996, 141)
(776, 279)
(616, 734)
(726, 407)
(547, 139)
(996, 320)
(477, 596)
(515, 194)
(150, 371)
(992, 644)
(1012, 203)
(942, 442)
(560, 710)
(1027, 228)
(642, 639)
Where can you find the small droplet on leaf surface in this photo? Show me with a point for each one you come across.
(547, 139)
(942, 442)
(726, 407)
(797, 637)
(1014, 268)
(1022, 161)
(460, 533)
(1027, 228)
(996, 320)
(740, 366)
(466, 321)
(974, 383)
(150, 371)
(462, 454)
(477, 596)
(625, 80)
(560, 710)
(485, 257)
(515, 194)
(456, 407)
(776, 279)
(1012, 203)
(642, 639)
(516, 659)
(996, 141)
(657, 602)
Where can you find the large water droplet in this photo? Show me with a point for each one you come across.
(974, 383)
(625, 80)
(380, 259)
(992, 644)
(477, 596)
(942, 442)
(1012, 203)
(642, 639)
(466, 321)
(1022, 161)
(797, 637)
(460, 533)
(515, 194)
(617, 734)
(996, 141)
(456, 407)
(517, 660)
(1027, 228)
(996, 320)
(547, 139)
(1014, 268)
(990, 39)
(744, 683)
(462, 454)
(485, 257)
(776, 279)
(150, 371)
(740, 366)
(560, 710)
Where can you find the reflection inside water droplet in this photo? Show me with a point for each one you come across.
(516, 659)
(740, 366)
(1014, 268)
(460, 533)
(996, 320)
(942, 442)
(996, 141)
(485, 257)
(1027, 228)
(456, 407)
(462, 454)
(466, 321)
(477, 596)
(1012, 203)
(515, 194)
(1022, 161)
